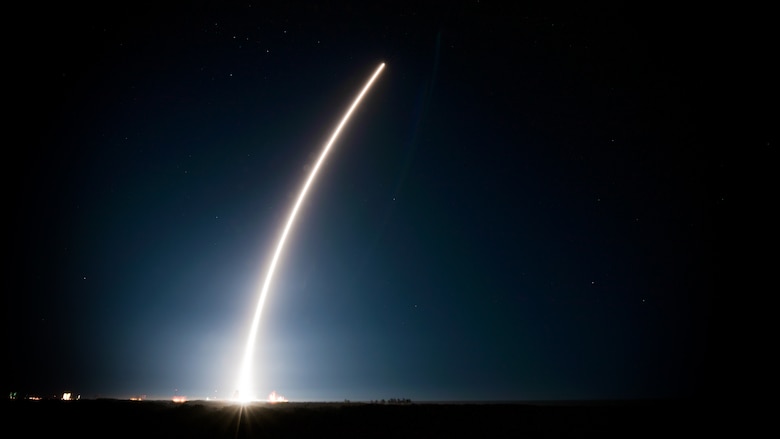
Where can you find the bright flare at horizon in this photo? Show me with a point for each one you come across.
(244, 388)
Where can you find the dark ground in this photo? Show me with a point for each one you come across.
(104, 418)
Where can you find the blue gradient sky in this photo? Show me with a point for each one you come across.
(522, 208)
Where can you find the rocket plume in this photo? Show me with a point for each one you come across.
(244, 389)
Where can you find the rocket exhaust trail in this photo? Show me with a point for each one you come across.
(245, 383)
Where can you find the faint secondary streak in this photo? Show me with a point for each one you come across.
(245, 382)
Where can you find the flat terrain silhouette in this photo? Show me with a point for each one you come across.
(210, 419)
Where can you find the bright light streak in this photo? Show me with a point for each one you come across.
(245, 375)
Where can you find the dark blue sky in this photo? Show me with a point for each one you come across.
(524, 206)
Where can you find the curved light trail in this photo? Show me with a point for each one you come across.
(244, 387)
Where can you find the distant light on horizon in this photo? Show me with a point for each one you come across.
(273, 397)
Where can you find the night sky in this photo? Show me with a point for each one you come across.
(526, 205)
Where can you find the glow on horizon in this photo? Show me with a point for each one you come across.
(245, 375)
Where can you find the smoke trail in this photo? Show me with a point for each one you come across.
(245, 378)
